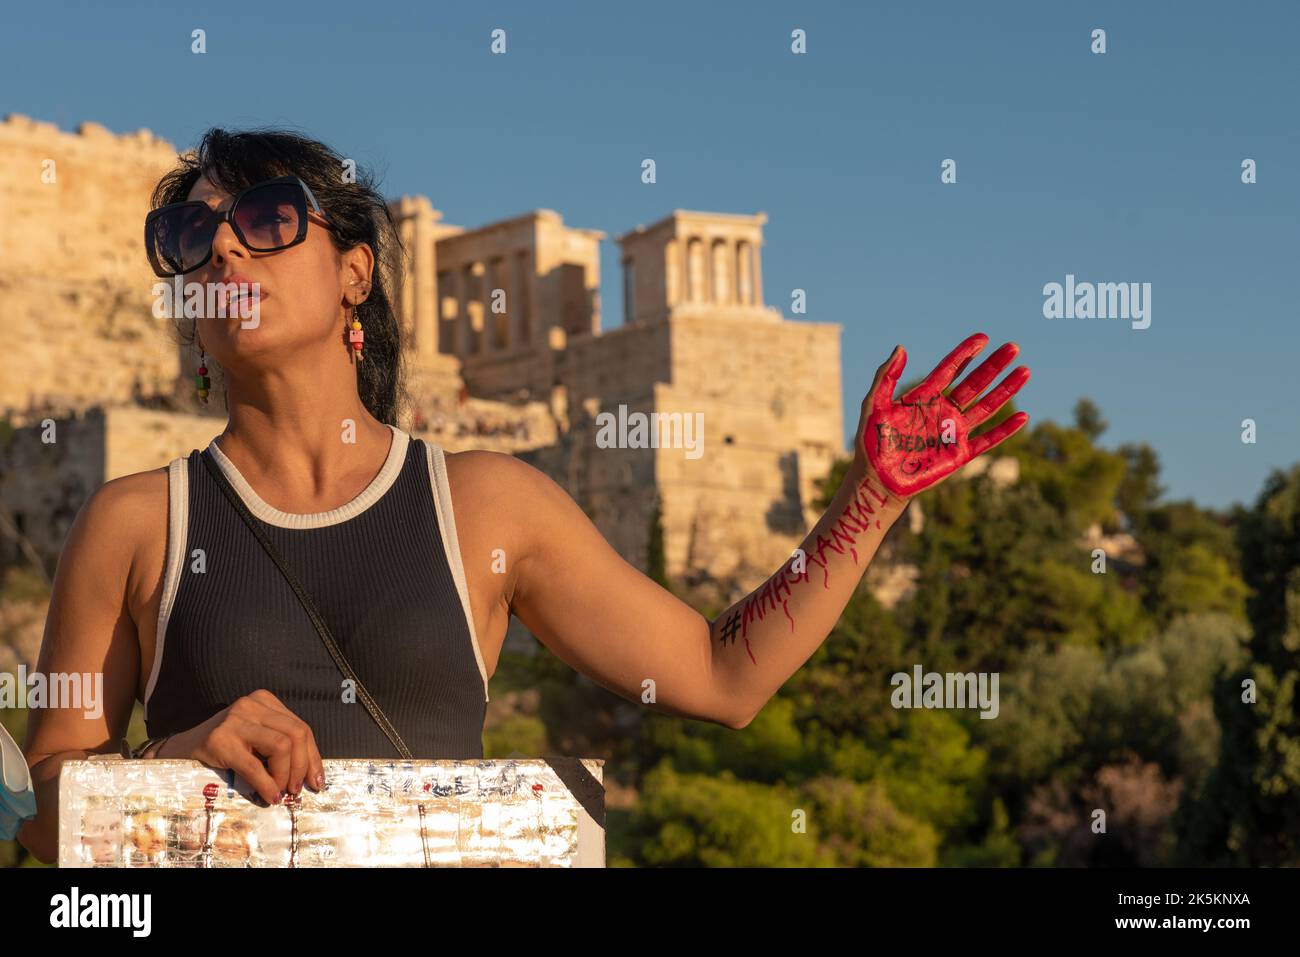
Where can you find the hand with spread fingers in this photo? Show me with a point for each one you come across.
(922, 437)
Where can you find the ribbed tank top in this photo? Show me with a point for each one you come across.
(385, 572)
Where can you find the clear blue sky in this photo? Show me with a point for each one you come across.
(1116, 167)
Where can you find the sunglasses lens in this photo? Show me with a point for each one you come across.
(271, 217)
(180, 238)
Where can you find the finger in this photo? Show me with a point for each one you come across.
(264, 697)
(299, 756)
(962, 368)
(970, 388)
(249, 767)
(277, 748)
(946, 371)
(886, 381)
(315, 767)
(1003, 430)
(999, 397)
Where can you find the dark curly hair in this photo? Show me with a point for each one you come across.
(235, 160)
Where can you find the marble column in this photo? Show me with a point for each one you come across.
(461, 333)
(744, 275)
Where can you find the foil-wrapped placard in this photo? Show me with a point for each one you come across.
(115, 812)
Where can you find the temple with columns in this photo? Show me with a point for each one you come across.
(512, 310)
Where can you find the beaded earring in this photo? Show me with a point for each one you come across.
(201, 378)
(356, 335)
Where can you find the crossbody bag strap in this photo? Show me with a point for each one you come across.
(321, 629)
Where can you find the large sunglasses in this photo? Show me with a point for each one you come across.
(266, 217)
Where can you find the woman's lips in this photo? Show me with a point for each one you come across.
(246, 296)
(251, 297)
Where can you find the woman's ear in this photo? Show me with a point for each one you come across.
(358, 291)
(358, 265)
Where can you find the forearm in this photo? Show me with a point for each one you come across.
(759, 642)
(40, 835)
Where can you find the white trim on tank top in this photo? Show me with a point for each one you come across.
(178, 526)
(371, 494)
(447, 525)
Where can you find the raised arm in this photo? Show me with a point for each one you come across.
(606, 619)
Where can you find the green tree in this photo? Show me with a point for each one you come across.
(769, 750)
(1248, 812)
(1080, 480)
(839, 691)
(860, 826)
(1088, 420)
(1192, 563)
(1069, 715)
(715, 820)
(1001, 570)
(1139, 490)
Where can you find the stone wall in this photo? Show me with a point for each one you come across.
(614, 486)
(73, 275)
(769, 394)
(770, 398)
(44, 484)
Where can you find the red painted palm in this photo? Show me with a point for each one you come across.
(924, 436)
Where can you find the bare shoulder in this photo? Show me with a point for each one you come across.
(136, 499)
(123, 521)
(499, 496)
(488, 477)
(498, 504)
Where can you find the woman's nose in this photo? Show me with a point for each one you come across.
(225, 244)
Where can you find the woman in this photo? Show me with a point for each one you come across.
(164, 588)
